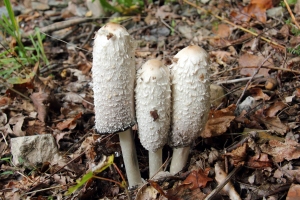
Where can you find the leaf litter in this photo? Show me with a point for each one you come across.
(262, 137)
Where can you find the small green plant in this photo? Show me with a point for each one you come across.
(173, 25)
(294, 50)
(8, 160)
(93, 175)
(125, 7)
(290, 2)
(294, 30)
(16, 56)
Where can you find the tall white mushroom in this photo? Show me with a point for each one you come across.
(113, 84)
(153, 103)
(190, 102)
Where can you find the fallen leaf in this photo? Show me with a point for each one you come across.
(218, 122)
(258, 94)
(294, 192)
(68, 123)
(3, 119)
(220, 176)
(147, 192)
(297, 92)
(248, 60)
(255, 10)
(274, 124)
(157, 188)
(197, 179)
(165, 12)
(40, 102)
(4, 101)
(222, 30)
(274, 108)
(259, 161)
(88, 146)
(17, 122)
(238, 155)
(280, 151)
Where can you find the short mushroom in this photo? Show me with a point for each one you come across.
(153, 102)
(190, 102)
(113, 84)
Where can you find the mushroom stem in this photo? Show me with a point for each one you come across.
(155, 162)
(113, 74)
(153, 103)
(179, 159)
(130, 158)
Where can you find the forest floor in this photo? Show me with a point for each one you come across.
(253, 126)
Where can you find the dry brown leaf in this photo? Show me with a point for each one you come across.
(60, 135)
(3, 119)
(294, 192)
(258, 94)
(36, 126)
(295, 40)
(219, 42)
(147, 193)
(280, 151)
(255, 10)
(249, 60)
(222, 30)
(68, 123)
(217, 126)
(197, 179)
(88, 146)
(238, 155)
(274, 124)
(221, 55)
(297, 92)
(274, 108)
(17, 121)
(218, 122)
(4, 101)
(259, 161)
(165, 12)
(40, 100)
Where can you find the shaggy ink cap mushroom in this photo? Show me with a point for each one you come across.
(153, 102)
(113, 84)
(190, 102)
(113, 79)
(190, 95)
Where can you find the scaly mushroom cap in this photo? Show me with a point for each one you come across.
(113, 79)
(190, 95)
(153, 101)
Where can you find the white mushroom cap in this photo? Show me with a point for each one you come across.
(153, 101)
(190, 95)
(113, 79)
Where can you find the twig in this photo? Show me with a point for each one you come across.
(124, 181)
(237, 80)
(283, 171)
(167, 25)
(90, 35)
(221, 185)
(4, 138)
(234, 25)
(60, 25)
(54, 172)
(49, 188)
(163, 165)
(248, 83)
(14, 90)
(64, 42)
(291, 14)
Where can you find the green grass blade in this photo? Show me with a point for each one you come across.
(80, 183)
